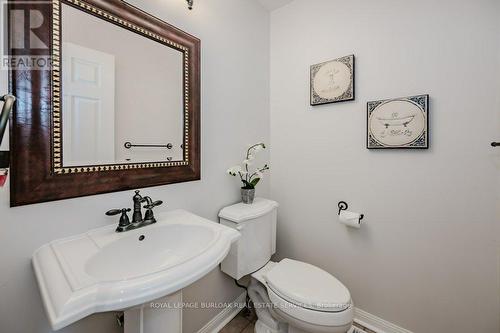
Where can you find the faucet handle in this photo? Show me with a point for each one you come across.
(114, 212)
(124, 220)
(153, 204)
(149, 216)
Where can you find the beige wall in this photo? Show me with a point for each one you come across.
(235, 112)
(427, 258)
(424, 260)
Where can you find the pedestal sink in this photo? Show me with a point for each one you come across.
(102, 270)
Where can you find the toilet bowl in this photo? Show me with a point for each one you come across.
(289, 296)
(301, 296)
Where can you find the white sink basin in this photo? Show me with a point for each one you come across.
(162, 248)
(102, 270)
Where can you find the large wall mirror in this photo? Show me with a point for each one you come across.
(119, 107)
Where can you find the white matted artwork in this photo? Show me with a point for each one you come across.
(399, 123)
(332, 81)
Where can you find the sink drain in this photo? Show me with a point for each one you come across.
(142, 237)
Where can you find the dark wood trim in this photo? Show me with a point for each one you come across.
(32, 178)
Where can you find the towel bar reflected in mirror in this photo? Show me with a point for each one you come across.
(129, 145)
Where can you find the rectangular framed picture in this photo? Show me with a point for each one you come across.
(332, 81)
(398, 123)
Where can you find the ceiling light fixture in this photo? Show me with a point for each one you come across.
(190, 4)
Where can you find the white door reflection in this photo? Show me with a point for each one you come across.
(89, 106)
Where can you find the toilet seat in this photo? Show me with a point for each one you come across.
(307, 294)
(311, 317)
(307, 286)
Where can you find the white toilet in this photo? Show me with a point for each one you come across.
(289, 296)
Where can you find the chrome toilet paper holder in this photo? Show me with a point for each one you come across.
(343, 206)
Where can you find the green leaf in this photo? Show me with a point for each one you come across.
(247, 185)
(255, 182)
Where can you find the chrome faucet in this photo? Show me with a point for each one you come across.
(137, 220)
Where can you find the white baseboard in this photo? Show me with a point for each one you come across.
(225, 316)
(361, 317)
(375, 323)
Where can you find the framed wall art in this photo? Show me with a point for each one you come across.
(332, 81)
(398, 123)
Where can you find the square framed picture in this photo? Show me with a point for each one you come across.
(398, 123)
(332, 81)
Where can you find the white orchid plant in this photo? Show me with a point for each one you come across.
(248, 178)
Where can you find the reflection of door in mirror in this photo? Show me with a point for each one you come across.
(89, 104)
(118, 87)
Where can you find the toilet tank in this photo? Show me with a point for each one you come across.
(257, 225)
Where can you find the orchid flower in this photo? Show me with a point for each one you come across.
(233, 171)
(249, 179)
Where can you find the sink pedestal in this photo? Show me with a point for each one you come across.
(159, 316)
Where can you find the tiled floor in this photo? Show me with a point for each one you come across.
(364, 329)
(244, 322)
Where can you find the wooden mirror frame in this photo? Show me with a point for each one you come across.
(36, 167)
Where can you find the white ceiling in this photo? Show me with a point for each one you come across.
(274, 4)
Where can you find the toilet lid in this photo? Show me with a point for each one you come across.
(241, 212)
(308, 286)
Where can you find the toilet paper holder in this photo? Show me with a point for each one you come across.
(343, 206)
